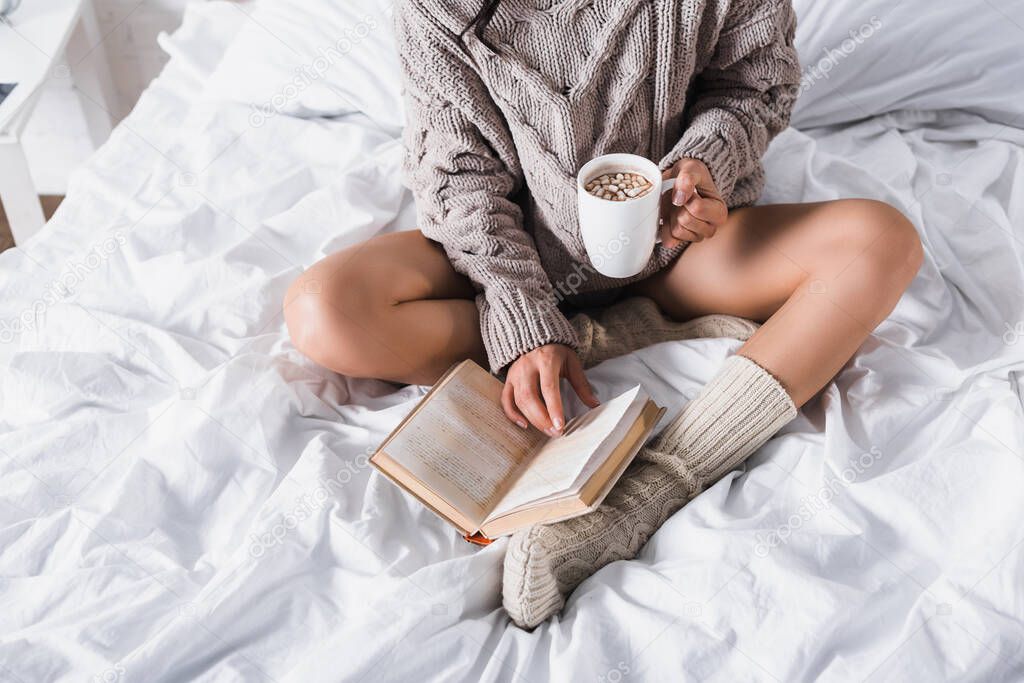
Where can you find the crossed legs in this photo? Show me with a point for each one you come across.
(820, 276)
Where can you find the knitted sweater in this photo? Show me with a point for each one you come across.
(495, 136)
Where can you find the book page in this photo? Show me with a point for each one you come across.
(461, 445)
(557, 465)
(616, 437)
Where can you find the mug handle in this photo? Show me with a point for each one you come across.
(666, 185)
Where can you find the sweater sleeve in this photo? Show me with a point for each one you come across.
(743, 98)
(463, 169)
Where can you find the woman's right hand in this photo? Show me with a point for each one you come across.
(532, 387)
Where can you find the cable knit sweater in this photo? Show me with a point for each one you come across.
(495, 136)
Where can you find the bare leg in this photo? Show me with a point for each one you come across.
(391, 308)
(822, 276)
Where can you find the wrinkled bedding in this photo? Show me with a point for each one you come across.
(183, 496)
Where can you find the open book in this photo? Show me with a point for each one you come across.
(462, 457)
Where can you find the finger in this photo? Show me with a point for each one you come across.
(686, 188)
(529, 402)
(580, 384)
(665, 233)
(508, 403)
(552, 391)
(684, 219)
(684, 234)
(707, 189)
(711, 211)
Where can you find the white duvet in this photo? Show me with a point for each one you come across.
(184, 497)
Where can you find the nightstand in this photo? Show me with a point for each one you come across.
(42, 40)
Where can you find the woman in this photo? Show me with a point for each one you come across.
(506, 101)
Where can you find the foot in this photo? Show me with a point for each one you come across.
(736, 412)
(545, 563)
(637, 322)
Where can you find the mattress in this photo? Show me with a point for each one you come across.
(183, 496)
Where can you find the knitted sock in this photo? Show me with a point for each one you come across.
(740, 409)
(637, 322)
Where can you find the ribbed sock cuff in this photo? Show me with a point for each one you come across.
(737, 411)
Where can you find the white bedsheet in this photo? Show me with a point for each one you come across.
(184, 497)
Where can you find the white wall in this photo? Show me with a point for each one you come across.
(55, 138)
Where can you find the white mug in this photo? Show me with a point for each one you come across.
(620, 236)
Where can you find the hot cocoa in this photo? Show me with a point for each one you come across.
(619, 186)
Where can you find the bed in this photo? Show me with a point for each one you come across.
(183, 496)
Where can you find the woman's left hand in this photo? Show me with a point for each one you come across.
(695, 209)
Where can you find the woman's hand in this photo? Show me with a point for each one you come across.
(532, 390)
(695, 209)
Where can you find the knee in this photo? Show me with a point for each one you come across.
(884, 241)
(329, 316)
(898, 253)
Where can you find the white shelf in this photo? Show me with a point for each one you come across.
(32, 41)
(39, 41)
